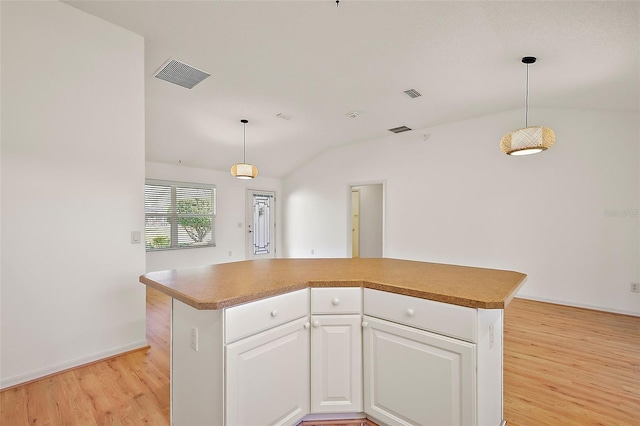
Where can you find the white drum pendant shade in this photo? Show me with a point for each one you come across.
(529, 140)
(244, 170)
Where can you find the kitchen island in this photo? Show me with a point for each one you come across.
(275, 341)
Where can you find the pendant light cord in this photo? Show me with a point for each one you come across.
(526, 102)
(244, 143)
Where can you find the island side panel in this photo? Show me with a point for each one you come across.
(197, 377)
(490, 370)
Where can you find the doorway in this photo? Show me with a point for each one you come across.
(366, 219)
(261, 224)
(355, 222)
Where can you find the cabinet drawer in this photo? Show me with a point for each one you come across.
(336, 300)
(442, 318)
(253, 317)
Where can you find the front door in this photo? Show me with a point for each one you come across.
(261, 224)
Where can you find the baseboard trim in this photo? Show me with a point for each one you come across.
(580, 305)
(319, 417)
(42, 373)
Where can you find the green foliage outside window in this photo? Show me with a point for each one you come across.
(161, 242)
(179, 215)
(196, 227)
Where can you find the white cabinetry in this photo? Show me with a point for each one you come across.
(430, 363)
(336, 350)
(414, 377)
(267, 377)
(267, 361)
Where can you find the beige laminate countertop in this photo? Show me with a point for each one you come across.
(229, 284)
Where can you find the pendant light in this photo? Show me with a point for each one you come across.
(529, 140)
(244, 170)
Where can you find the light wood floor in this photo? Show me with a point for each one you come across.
(570, 366)
(132, 389)
(563, 366)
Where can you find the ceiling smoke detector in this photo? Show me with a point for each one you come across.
(353, 114)
(412, 93)
(400, 129)
(179, 73)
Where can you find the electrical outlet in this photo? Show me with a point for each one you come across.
(313, 251)
(635, 287)
(194, 339)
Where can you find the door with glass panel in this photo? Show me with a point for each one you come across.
(261, 224)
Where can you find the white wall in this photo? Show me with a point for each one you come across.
(456, 198)
(231, 196)
(371, 214)
(72, 174)
(0, 192)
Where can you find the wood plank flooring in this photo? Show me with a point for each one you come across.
(570, 366)
(131, 389)
(563, 366)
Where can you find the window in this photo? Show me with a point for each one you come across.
(179, 215)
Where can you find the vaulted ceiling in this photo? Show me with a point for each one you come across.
(315, 62)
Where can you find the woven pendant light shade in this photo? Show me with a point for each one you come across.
(529, 140)
(244, 171)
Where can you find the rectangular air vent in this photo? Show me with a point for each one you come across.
(179, 73)
(412, 93)
(400, 129)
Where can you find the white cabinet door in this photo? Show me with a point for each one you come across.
(336, 363)
(267, 377)
(414, 377)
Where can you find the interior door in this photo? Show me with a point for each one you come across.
(366, 220)
(355, 223)
(261, 224)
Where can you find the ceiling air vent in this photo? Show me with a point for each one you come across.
(412, 93)
(400, 129)
(181, 74)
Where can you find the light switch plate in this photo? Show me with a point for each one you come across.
(135, 237)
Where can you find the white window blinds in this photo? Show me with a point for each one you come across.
(179, 215)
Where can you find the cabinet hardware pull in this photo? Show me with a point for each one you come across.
(274, 313)
(410, 312)
(335, 301)
(365, 324)
(306, 324)
(316, 323)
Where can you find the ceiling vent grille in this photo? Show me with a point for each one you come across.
(179, 73)
(412, 93)
(400, 129)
